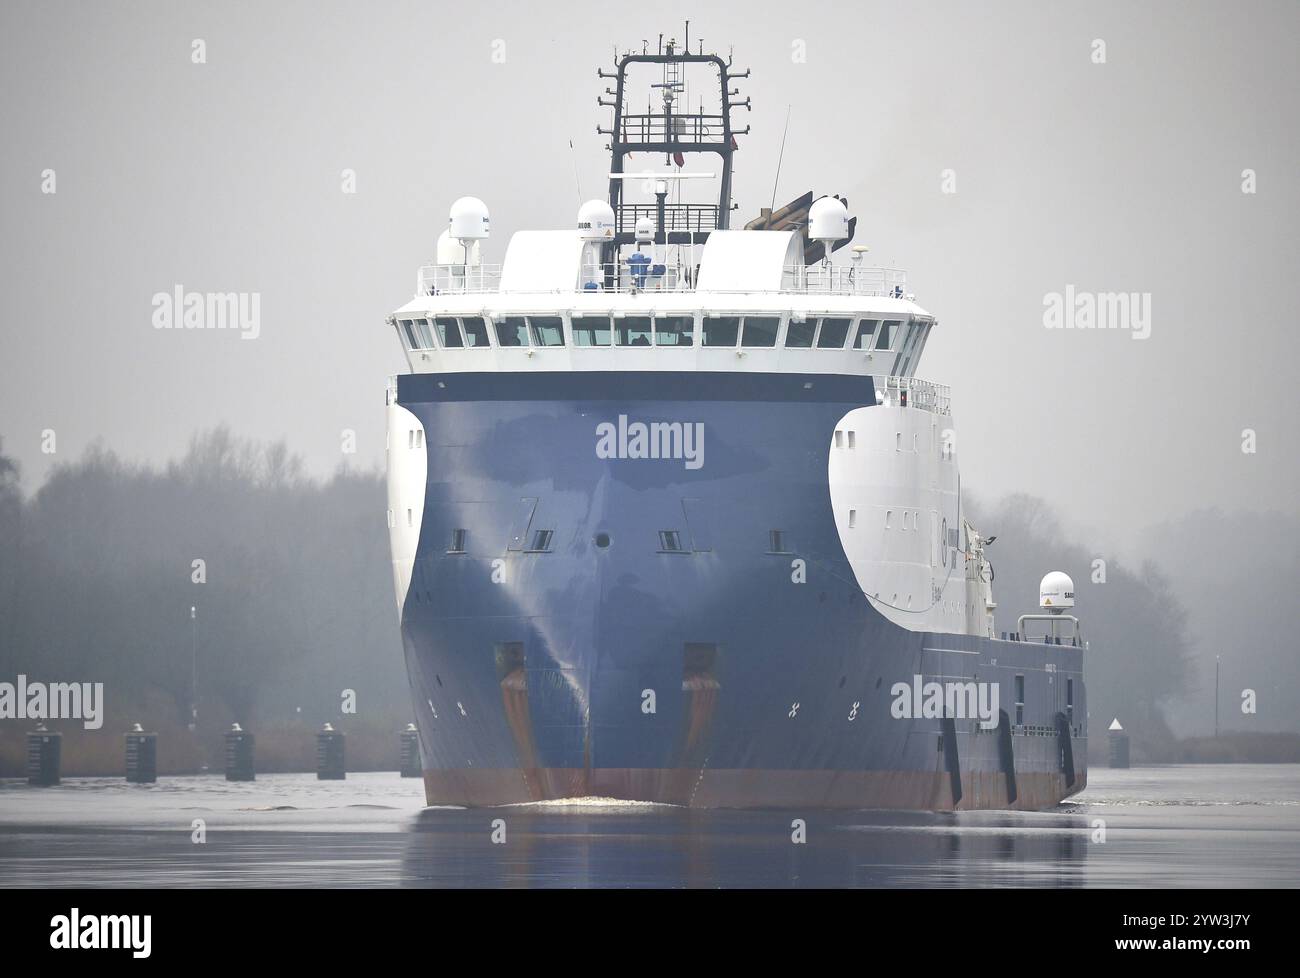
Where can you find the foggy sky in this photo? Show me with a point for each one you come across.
(225, 176)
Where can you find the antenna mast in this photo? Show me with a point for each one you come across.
(674, 131)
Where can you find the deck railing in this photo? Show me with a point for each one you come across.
(678, 218)
(651, 275)
(693, 128)
(914, 392)
(850, 279)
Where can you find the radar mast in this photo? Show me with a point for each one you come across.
(672, 129)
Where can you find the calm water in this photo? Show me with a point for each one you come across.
(1187, 825)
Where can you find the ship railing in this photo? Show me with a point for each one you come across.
(691, 128)
(678, 218)
(632, 275)
(437, 279)
(644, 273)
(914, 392)
(850, 279)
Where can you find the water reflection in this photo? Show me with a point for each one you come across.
(1204, 826)
(617, 846)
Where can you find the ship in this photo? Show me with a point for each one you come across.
(673, 519)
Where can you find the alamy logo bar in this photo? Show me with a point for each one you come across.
(90, 932)
(934, 700)
(657, 439)
(1077, 309)
(53, 701)
(179, 309)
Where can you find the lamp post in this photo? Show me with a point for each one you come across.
(194, 670)
(1216, 697)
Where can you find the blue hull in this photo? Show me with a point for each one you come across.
(607, 664)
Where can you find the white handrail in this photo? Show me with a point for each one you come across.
(634, 276)
(914, 392)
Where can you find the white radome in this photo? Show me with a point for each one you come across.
(1056, 591)
(828, 220)
(595, 221)
(469, 220)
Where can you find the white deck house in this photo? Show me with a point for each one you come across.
(750, 304)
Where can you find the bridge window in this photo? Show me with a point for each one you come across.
(886, 334)
(547, 330)
(418, 333)
(674, 330)
(449, 332)
(512, 331)
(721, 330)
(866, 332)
(833, 334)
(917, 332)
(476, 332)
(925, 328)
(907, 338)
(633, 331)
(760, 331)
(799, 336)
(591, 331)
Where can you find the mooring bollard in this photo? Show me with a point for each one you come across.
(141, 756)
(409, 765)
(44, 751)
(239, 754)
(1117, 741)
(330, 754)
